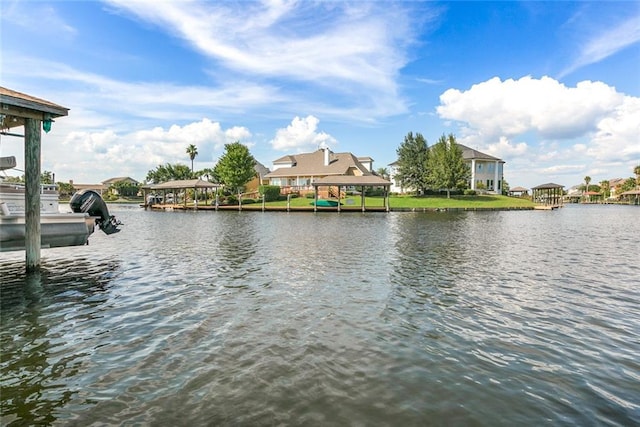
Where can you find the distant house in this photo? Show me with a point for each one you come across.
(615, 187)
(104, 186)
(295, 173)
(486, 172)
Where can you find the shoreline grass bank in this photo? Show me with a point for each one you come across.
(396, 204)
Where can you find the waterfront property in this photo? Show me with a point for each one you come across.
(296, 173)
(486, 172)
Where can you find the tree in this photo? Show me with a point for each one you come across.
(413, 155)
(65, 189)
(236, 167)
(587, 180)
(126, 188)
(446, 166)
(636, 171)
(192, 151)
(168, 172)
(606, 188)
(383, 172)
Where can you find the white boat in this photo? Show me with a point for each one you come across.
(56, 228)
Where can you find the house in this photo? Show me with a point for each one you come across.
(261, 172)
(486, 172)
(295, 173)
(104, 186)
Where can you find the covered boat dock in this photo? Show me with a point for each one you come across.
(35, 114)
(362, 182)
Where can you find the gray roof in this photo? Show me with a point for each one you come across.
(470, 153)
(547, 186)
(261, 169)
(312, 164)
(467, 154)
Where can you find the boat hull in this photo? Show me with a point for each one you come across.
(56, 230)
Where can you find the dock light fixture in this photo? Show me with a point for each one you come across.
(46, 123)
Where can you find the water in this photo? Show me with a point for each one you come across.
(251, 318)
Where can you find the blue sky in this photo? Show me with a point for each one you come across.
(552, 88)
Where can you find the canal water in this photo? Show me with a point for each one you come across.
(399, 319)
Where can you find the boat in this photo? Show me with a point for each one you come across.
(324, 203)
(57, 229)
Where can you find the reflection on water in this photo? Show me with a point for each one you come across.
(247, 318)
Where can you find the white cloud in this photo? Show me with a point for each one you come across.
(301, 134)
(135, 153)
(618, 134)
(513, 107)
(569, 130)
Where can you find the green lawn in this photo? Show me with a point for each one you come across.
(429, 202)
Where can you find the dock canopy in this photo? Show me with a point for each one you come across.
(548, 194)
(19, 109)
(182, 184)
(353, 181)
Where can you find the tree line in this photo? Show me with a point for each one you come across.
(234, 169)
(439, 167)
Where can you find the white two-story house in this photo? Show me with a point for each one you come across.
(487, 172)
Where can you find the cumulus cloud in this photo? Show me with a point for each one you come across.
(300, 134)
(545, 106)
(138, 152)
(565, 131)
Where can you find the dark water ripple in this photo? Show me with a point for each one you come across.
(496, 318)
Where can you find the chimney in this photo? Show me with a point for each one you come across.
(326, 156)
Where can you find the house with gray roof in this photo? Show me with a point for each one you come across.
(296, 173)
(486, 172)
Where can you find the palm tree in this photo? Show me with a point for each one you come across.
(192, 151)
(587, 180)
(636, 171)
(383, 172)
(606, 190)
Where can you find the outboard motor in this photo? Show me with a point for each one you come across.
(90, 202)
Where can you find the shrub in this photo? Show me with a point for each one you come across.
(310, 195)
(270, 192)
(469, 192)
(248, 201)
(232, 200)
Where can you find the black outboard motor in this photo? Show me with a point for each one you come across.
(88, 201)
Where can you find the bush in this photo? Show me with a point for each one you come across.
(270, 192)
(232, 200)
(310, 195)
(248, 201)
(469, 192)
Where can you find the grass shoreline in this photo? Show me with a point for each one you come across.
(396, 203)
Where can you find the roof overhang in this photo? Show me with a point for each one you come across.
(364, 180)
(16, 107)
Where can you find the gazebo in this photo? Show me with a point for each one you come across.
(518, 191)
(19, 109)
(184, 184)
(352, 180)
(632, 196)
(548, 195)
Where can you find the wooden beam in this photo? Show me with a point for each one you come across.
(32, 148)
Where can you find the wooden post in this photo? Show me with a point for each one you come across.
(315, 199)
(32, 138)
(362, 199)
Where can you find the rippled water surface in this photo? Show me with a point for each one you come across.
(251, 318)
